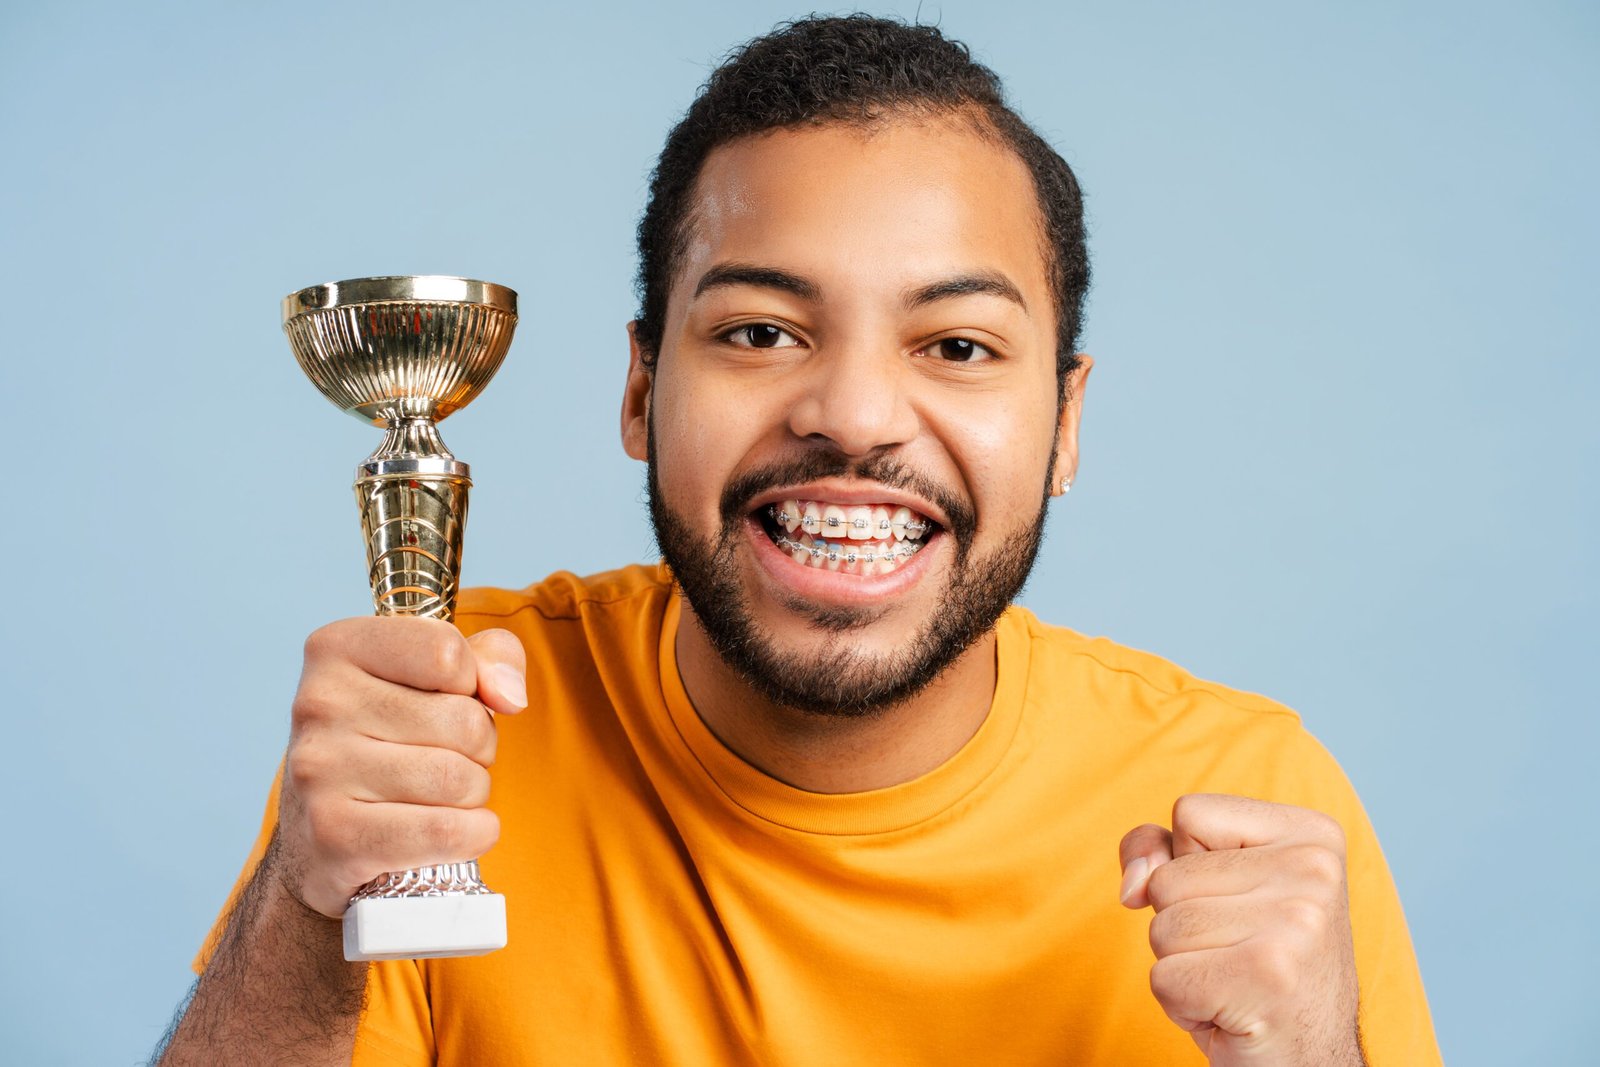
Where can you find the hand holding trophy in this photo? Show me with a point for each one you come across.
(403, 353)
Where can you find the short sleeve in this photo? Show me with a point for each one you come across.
(1396, 1027)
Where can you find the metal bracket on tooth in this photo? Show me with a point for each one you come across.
(849, 554)
(833, 522)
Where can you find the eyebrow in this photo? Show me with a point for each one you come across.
(731, 274)
(991, 283)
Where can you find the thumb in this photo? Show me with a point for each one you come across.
(1143, 849)
(502, 670)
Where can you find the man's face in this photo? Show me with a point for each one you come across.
(851, 420)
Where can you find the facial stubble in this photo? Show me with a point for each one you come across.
(839, 679)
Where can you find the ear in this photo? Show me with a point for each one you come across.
(636, 400)
(1065, 470)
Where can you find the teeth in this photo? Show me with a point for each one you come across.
(876, 557)
(864, 539)
(860, 520)
(857, 523)
(898, 522)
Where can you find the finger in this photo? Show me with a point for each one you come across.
(1232, 989)
(433, 720)
(1286, 870)
(418, 653)
(328, 721)
(414, 774)
(376, 838)
(1206, 923)
(1209, 822)
(1142, 851)
(502, 670)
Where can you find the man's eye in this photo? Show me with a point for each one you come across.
(959, 350)
(760, 335)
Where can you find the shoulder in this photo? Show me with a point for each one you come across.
(1150, 719)
(1138, 681)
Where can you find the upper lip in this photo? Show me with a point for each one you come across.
(852, 492)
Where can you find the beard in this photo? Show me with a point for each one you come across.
(839, 679)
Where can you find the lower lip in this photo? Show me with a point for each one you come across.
(838, 587)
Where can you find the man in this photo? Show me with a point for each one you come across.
(838, 803)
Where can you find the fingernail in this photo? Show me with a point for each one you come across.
(1134, 876)
(510, 683)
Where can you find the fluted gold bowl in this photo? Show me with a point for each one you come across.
(399, 348)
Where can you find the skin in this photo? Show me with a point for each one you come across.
(860, 374)
(390, 745)
(1251, 930)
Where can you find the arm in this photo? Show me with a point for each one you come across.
(387, 769)
(278, 989)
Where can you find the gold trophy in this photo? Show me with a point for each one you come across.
(402, 353)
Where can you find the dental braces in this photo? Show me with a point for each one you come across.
(812, 524)
(849, 553)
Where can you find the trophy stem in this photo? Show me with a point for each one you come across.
(413, 523)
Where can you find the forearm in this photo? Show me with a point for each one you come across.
(278, 989)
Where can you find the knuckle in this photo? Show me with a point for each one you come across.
(448, 653)
(1333, 831)
(468, 723)
(311, 704)
(1274, 967)
(488, 746)
(1322, 864)
(320, 642)
(1166, 979)
(303, 767)
(1163, 933)
(332, 640)
(1306, 918)
(499, 642)
(1162, 888)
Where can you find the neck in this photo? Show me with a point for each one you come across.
(836, 754)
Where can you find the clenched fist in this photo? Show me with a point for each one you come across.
(389, 751)
(1251, 930)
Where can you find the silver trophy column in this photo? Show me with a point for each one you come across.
(403, 353)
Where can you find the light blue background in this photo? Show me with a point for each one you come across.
(1340, 445)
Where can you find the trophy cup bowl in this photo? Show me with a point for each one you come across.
(403, 353)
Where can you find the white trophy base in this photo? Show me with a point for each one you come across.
(424, 928)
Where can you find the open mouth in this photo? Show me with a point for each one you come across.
(864, 539)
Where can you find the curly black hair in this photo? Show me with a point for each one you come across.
(857, 69)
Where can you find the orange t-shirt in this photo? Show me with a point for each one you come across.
(670, 904)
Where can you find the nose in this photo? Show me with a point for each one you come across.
(855, 397)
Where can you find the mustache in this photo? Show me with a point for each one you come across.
(884, 470)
